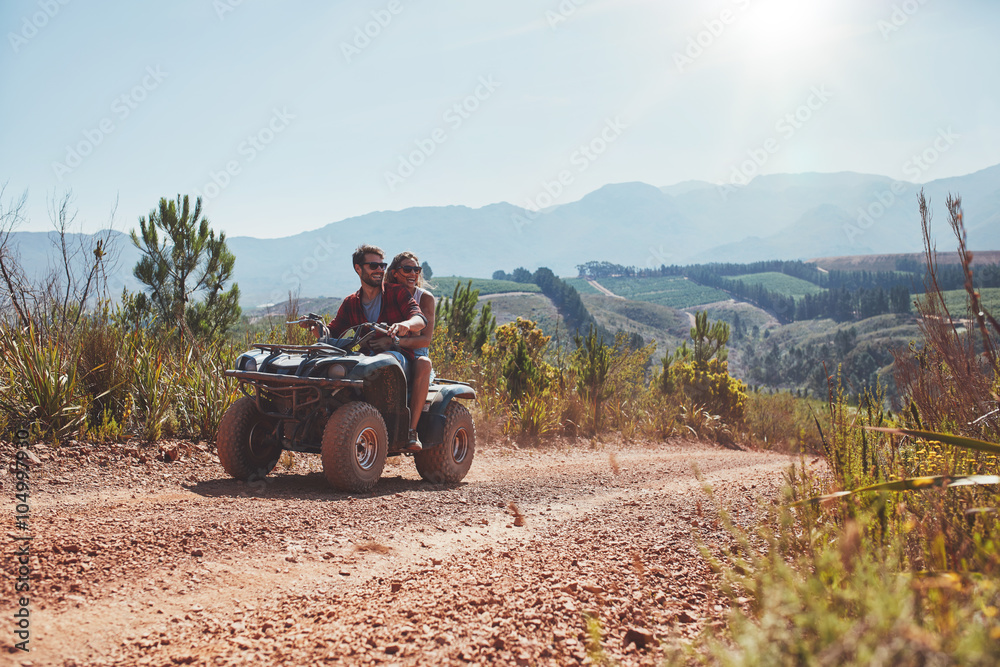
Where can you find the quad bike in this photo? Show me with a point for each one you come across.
(352, 408)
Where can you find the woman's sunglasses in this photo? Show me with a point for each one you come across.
(410, 269)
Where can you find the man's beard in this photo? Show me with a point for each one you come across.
(369, 280)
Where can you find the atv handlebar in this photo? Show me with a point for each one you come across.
(312, 319)
(375, 327)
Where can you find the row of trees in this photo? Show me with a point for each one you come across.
(843, 305)
(795, 268)
(908, 273)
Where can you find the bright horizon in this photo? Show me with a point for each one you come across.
(288, 118)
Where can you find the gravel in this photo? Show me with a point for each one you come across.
(151, 555)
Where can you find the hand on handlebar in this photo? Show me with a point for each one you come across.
(399, 329)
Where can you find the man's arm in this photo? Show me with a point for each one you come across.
(342, 322)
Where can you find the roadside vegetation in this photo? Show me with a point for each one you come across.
(892, 556)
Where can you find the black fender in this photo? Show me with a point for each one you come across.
(385, 388)
(430, 428)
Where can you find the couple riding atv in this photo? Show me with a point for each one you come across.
(350, 397)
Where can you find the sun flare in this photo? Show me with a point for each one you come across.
(783, 28)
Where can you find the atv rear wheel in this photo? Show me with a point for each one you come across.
(449, 462)
(248, 449)
(355, 443)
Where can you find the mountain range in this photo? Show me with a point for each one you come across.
(783, 216)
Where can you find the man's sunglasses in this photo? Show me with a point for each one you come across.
(374, 265)
(410, 269)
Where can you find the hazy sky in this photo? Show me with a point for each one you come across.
(289, 115)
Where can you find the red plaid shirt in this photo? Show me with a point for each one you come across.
(398, 305)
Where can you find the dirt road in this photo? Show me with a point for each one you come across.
(148, 562)
(602, 289)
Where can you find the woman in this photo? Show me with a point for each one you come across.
(405, 270)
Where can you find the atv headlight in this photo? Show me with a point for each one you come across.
(249, 364)
(336, 371)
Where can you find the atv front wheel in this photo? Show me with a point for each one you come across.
(449, 462)
(355, 443)
(248, 449)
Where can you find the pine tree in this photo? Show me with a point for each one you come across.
(191, 261)
(592, 363)
(709, 340)
(459, 313)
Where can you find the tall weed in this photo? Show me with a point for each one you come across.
(204, 393)
(41, 384)
(907, 577)
(152, 384)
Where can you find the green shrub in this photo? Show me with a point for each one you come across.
(41, 384)
(103, 367)
(204, 393)
(152, 385)
(710, 386)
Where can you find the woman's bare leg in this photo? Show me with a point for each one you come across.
(421, 380)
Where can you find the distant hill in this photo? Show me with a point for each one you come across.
(786, 216)
(892, 262)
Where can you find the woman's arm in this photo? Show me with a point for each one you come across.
(427, 307)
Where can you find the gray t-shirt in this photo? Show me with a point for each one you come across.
(373, 309)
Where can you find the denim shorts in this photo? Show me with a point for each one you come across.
(422, 352)
(403, 361)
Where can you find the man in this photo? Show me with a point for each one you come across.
(377, 302)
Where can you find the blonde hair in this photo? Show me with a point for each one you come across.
(397, 261)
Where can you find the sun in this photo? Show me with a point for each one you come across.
(786, 28)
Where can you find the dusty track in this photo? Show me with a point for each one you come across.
(173, 563)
